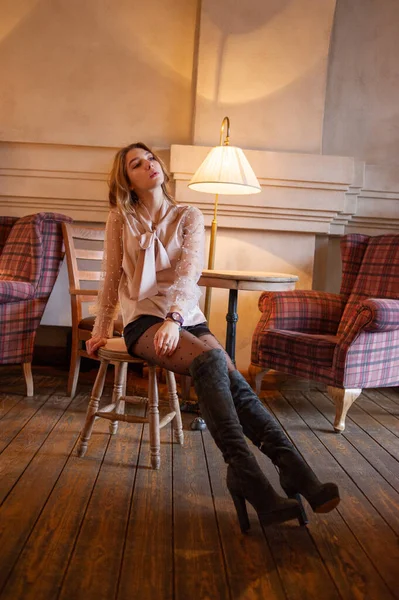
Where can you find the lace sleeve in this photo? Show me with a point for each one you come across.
(107, 301)
(185, 293)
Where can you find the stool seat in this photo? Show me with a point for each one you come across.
(115, 352)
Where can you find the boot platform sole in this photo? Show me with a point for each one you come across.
(280, 516)
(328, 506)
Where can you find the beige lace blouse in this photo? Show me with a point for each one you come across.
(150, 267)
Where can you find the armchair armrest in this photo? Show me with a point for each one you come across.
(373, 316)
(15, 291)
(308, 311)
(382, 314)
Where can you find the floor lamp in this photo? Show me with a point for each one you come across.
(226, 171)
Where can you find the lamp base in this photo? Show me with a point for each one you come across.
(198, 424)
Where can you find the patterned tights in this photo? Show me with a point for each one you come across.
(188, 348)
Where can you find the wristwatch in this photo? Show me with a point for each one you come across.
(176, 317)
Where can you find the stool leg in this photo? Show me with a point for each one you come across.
(117, 394)
(153, 417)
(175, 406)
(92, 408)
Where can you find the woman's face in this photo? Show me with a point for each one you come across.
(143, 171)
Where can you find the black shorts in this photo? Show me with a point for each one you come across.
(134, 330)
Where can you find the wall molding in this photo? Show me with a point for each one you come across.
(306, 193)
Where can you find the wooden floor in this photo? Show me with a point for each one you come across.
(108, 527)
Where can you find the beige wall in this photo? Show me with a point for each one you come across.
(96, 72)
(264, 63)
(102, 73)
(362, 103)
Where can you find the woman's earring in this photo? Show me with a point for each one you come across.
(134, 197)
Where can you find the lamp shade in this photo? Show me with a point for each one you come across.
(225, 170)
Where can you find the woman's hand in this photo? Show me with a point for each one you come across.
(94, 344)
(166, 338)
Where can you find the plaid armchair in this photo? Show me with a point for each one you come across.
(29, 263)
(349, 340)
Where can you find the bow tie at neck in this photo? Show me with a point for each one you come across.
(152, 257)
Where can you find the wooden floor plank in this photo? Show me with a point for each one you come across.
(21, 450)
(371, 426)
(251, 570)
(7, 402)
(147, 568)
(381, 398)
(198, 558)
(378, 457)
(392, 393)
(13, 383)
(20, 414)
(40, 568)
(349, 566)
(372, 532)
(103, 530)
(24, 504)
(70, 527)
(379, 413)
(299, 562)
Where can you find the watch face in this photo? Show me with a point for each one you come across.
(175, 316)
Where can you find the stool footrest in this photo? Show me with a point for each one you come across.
(114, 416)
(109, 408)
(166, 419)
(135, 399)
(115, 412)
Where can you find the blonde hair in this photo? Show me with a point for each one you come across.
(120, 194)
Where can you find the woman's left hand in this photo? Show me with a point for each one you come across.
(166, 338)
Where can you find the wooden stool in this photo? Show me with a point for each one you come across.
(115, 352)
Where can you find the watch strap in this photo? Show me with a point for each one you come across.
(176, 317)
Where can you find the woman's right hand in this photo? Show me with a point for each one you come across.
(94, 344)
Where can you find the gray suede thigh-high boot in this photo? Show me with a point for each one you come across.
(296, 477)
(245, 479)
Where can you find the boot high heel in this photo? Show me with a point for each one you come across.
(270, 507)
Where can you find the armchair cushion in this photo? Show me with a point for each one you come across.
(317, 348)
(307, 311)
(14, 291)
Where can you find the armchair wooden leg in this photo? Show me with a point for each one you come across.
(343, 398)
(27, 369)
(256, 375)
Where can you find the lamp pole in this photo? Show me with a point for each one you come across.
(214, 226)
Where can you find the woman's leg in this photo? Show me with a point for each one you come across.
(188, 348)
(208, 368)
(260, 426)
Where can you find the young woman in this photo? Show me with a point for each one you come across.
(153, 260)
